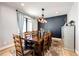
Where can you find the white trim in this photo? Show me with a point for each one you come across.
(77, 52)
(69, 49)
(5, 47)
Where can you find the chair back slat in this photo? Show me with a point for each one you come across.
(18, 45)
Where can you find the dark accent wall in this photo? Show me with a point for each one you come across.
(54, 25)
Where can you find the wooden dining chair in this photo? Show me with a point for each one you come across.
(45, 43)
(49, 39)
(38, 49)
(26, 34)
(38, 44)
(20, 51)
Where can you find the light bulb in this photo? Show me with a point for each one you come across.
(22, 4)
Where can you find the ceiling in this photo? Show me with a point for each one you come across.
(34, 8)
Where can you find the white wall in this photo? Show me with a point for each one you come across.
(8, 25)
(73, 15)
(0, 26)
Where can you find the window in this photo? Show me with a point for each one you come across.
(24, 26)
(27, 25)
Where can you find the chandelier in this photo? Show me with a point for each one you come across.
(42, 19)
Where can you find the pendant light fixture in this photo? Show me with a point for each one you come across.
(42, 19)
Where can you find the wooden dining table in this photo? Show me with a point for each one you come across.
(38, 42)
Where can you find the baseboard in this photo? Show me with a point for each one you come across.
(5, 47)
(69, 49)
(77, 52)
(53, 38)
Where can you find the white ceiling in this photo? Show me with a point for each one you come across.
(34, 8)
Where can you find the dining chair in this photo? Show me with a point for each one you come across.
(20, 51)
(26, 34)
(45, 43)
(38, 50)
(49, 39)
(38, 44)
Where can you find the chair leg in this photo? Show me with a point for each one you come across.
(33, 54)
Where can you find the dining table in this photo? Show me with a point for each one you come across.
(37, 43)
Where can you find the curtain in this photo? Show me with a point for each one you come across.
(20, 22)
